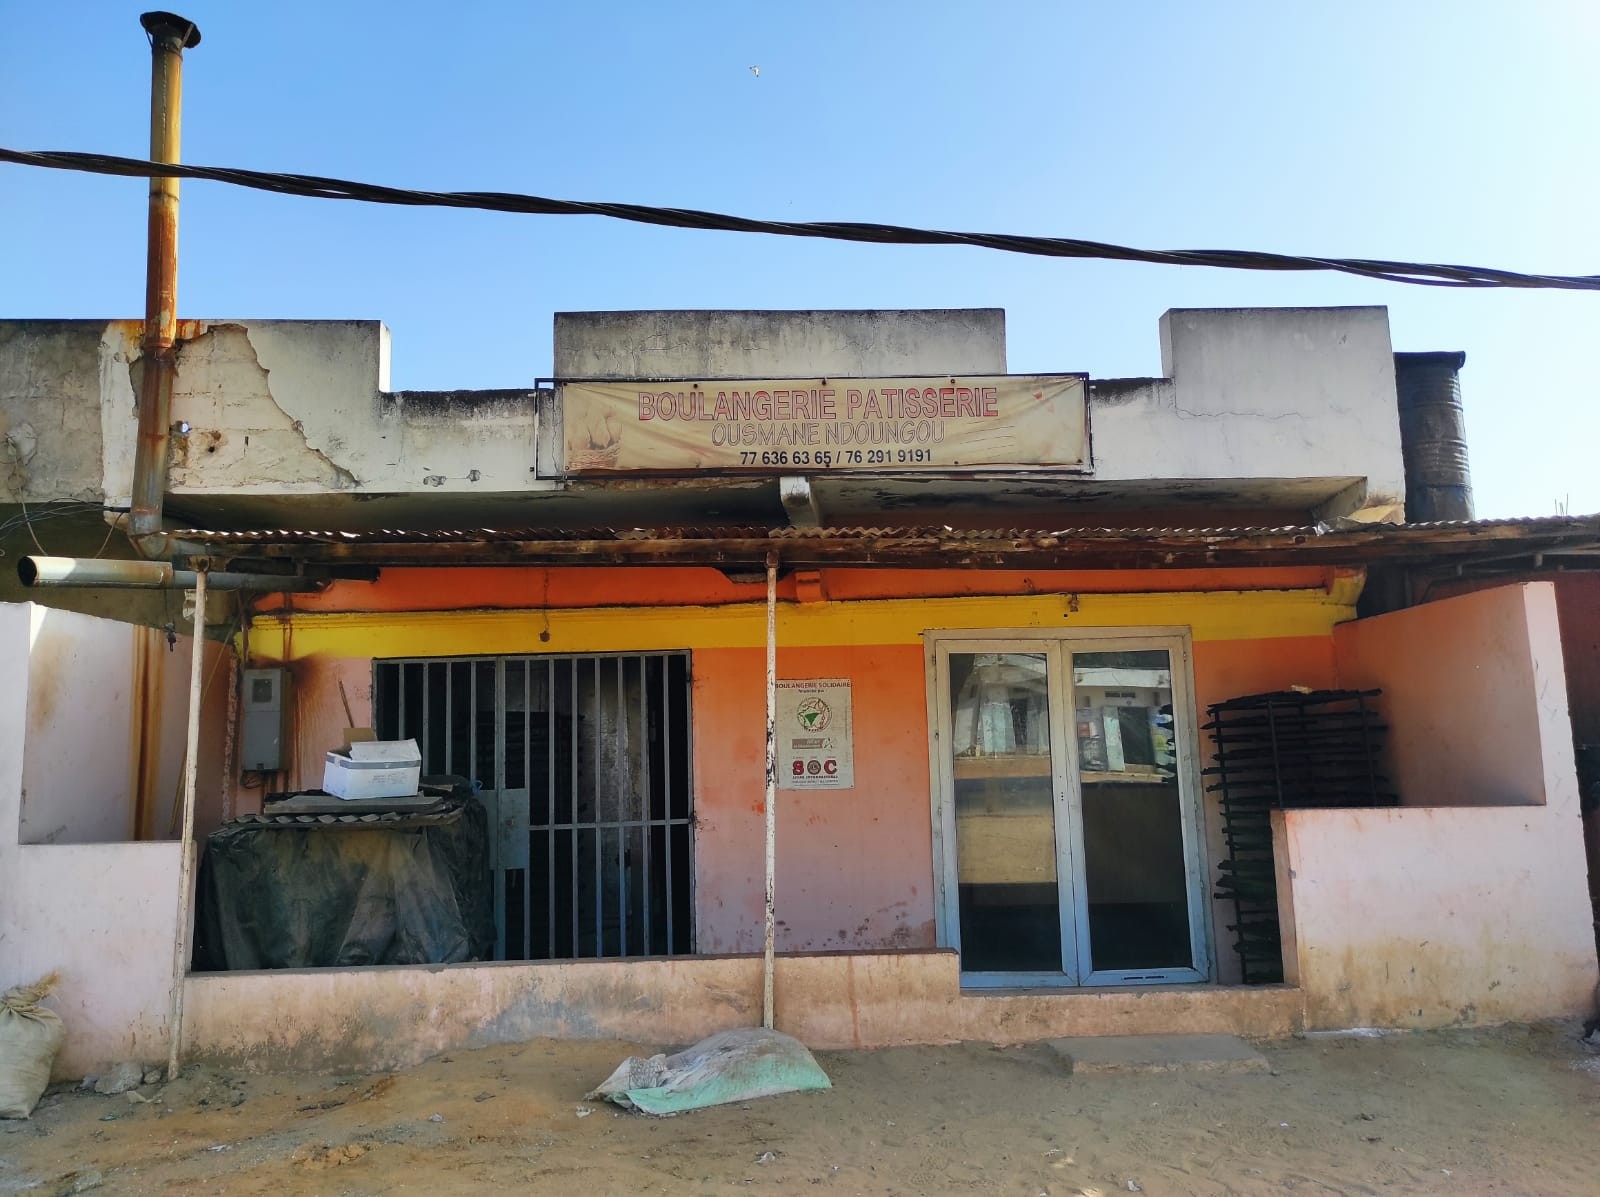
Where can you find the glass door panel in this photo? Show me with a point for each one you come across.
(1007, 874)
(1134, 894)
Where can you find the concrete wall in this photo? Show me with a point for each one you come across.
(105, 917)
(105, 733)
(1263, 393)
(733, 344)
(304, 406)
(273, 407)
(81, 754)
(1578, 606)
(1436, 916)
(102, 915)
(1474, 696)
(1469, 904)
(856, 865)
(377, 1018)
(50, 396)
(291, 422)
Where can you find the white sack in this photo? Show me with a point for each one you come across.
(30, 1037)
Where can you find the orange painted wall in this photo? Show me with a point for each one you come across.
(855, 867)
(1465, 728)
(1578, 606)
(567, 587)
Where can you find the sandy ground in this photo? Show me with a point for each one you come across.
(1513, 1110)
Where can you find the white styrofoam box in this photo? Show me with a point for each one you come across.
(374, 769)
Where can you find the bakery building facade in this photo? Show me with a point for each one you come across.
(1102, 705)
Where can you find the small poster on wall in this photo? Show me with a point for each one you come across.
(816, 749)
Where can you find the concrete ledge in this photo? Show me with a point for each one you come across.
(379, 1018)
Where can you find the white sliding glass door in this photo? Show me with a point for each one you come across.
(1065, 808)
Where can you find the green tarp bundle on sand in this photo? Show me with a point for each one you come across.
(728, 1067)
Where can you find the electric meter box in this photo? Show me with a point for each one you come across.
(264, 727)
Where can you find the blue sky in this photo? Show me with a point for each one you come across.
(1449, 131)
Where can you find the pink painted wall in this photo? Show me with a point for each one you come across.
(1468, 904)
(84, 724)
(1439, 916)
(855, 867)
(1578, 605)
(103, 915)
(79, 754)
(1474, 695)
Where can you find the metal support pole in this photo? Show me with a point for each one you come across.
(191, 774)
(767, 960)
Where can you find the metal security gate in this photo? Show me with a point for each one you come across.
(583, 763)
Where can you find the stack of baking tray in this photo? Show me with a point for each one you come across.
(1286, 749)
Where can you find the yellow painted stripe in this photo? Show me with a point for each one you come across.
(1212, 615)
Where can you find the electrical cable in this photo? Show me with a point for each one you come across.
(31, 532)
(321, 187)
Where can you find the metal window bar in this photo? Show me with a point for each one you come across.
(601, 839)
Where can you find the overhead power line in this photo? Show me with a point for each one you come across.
(319, 187)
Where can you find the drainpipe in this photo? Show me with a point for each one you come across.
(170, 36)
(769, 938)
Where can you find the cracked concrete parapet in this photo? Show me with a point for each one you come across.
(50, 434)
(1281, 410)
(291, 407)
(1262, 393)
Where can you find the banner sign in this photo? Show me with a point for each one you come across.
(816, 748)
(813, 425)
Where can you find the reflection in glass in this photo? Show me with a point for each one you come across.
(1009, 902)
(1135, 876)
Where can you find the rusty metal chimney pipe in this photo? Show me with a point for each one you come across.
(170, 36)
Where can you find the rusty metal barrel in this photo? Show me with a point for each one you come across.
(1433, 436)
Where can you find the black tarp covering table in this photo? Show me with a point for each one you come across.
(304, 891)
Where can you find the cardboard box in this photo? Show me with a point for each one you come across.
(366, 767)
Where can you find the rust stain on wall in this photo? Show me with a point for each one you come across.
(145, 726)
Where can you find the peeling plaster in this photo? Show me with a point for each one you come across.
(240, 430)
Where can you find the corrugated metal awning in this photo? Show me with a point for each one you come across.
(1349, 544)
